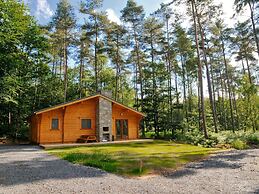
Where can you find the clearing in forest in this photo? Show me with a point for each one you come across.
(135, 158)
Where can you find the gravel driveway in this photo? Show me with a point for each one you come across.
(28, 169)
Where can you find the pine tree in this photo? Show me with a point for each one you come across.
(116, 42)
(63, 24)
(243, 47)
(252, 4)
(95, 27)
(183, 46)
(202, 117)
(134, 16)
(154, 71)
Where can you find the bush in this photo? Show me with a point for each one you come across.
(237, 140)
(196, 137)
(253, 139)
(225, 139)
(239, 144)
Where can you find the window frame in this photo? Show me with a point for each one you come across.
(120, 123)
(87, 119)
(51, 127)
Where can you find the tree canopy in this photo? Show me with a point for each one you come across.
(200, 78)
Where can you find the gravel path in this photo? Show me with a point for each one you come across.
(28, 169)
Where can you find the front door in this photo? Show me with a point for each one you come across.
(121, 129)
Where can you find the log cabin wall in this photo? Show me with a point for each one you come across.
(119, 112)
(72, 123)
(74, 114)
(46, 133)
(69, 118)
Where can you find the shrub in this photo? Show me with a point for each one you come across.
(196, 137)
(239, 144)
(226, 139)
(253, 139)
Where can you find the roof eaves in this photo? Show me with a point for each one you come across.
(83, 99)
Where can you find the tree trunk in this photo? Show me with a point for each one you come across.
(248, 70)
(65, 68)
(208, 77)
(223, 110)
(202, 107)
(228, 84)
(60, 67)
(253, 25)
(169, 77)
(117, 68)
(243, 66)
(136, 72)
(96, 58)
(81, 71)
(184, 92)
(213, 88)
(154, 100)
(140, 76)
(235, 108)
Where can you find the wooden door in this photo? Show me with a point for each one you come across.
(122, 131)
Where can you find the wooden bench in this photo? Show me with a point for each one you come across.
(86, 138)
(3, 140)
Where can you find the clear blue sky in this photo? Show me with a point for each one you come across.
(43, 9)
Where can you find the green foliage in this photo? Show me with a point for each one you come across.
(23, 61)
(239, 144)
(238, 140)
(196, 137)
(149, 63)
(252, 139)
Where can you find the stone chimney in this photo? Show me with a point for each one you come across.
(104, 120)
(107, 93)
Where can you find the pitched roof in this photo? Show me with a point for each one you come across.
(84, 99)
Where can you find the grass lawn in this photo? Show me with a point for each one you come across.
(135, 158)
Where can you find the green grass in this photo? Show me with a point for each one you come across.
(136, 158)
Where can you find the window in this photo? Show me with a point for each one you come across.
(121, 129)
(125, 127)
(86, 124)
(54, 123)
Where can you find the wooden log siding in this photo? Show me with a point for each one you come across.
(133, 121)
(63, 123)
(70, 115)
(39, 125)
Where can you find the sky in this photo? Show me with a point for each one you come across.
(43, 10)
